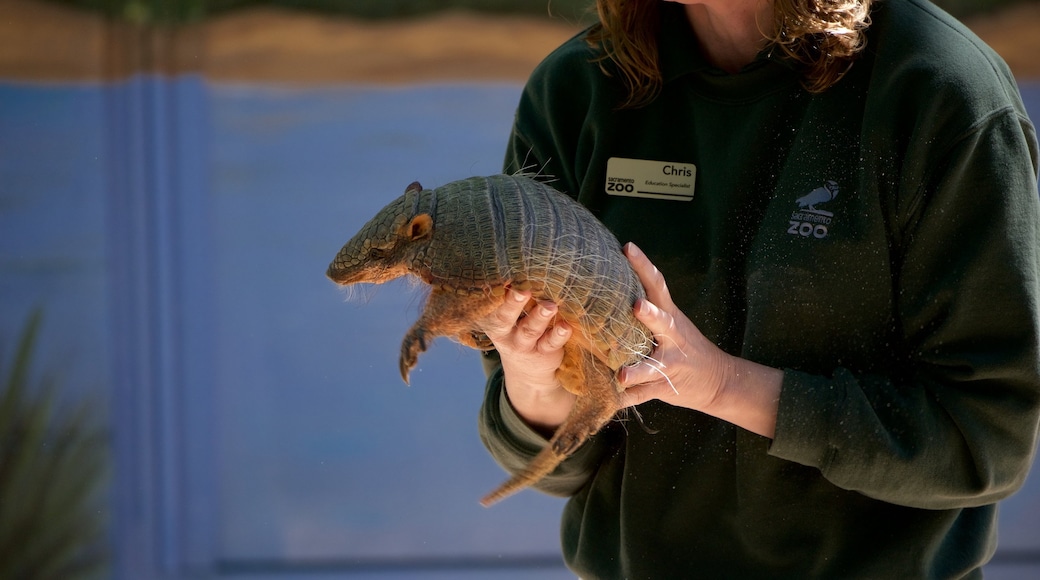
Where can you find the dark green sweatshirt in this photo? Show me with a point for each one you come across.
(878, 242)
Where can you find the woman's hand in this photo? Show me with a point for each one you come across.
(688, 370)
(531, 348)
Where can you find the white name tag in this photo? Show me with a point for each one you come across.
(653, 179)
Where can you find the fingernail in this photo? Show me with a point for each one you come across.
(545, 311)
(623, 375)
(633, 250)
(642, 307)
(561, 330)
(519, 297)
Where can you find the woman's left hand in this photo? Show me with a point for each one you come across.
(688, 370)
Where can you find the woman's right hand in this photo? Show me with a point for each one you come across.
(531, 348)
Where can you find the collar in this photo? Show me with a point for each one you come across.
(679, 55)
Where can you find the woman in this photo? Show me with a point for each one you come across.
(842, 197)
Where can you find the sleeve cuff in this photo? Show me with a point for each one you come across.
(805, 418)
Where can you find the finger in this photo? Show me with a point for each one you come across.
(532, 327)
(503, 320)
(658, 320)
(555, 339)
(636, 395)
(635, 374)
(649, 276)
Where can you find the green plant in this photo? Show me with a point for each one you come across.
(53, 466)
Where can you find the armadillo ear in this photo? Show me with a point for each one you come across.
(414, 187)
(420, 227)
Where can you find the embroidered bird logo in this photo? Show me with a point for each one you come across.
(827, 192)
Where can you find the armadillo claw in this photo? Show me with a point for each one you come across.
(481, 341)
(411, 347)
(405, 371)
(567, 443)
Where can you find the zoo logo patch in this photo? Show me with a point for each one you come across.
(809, 221)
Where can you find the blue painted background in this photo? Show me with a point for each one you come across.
(177, 233)
(324, 452)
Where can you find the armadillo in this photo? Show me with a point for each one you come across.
(472, 239)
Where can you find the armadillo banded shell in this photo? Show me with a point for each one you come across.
(513, 229)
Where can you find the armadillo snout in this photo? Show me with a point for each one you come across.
(343, 271)
(335, 274)
(348, 269)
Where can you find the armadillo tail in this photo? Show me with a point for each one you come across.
(589, 415)
(543, 464)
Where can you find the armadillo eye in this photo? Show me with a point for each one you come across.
(378, 253)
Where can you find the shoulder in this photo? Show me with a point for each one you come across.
(922, 55)
(565, 102)
(575, 57)
(944, 107)
(933, 84)
(571, 78)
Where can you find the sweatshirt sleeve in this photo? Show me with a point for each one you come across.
(959, 428)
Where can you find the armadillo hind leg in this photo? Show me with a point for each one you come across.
(596, 405)
(447, 313)
(589, 414)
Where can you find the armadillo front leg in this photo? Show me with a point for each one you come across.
(448, 312)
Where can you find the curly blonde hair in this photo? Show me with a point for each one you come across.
(824, 36)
